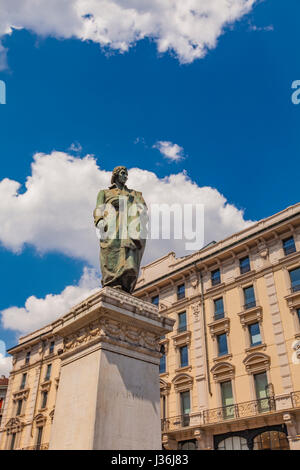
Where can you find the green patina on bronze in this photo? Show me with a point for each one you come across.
(120, 258)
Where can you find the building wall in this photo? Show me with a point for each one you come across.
(275, 310)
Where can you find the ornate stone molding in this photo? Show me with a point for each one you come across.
(117, 318)
(108, 329)
(14, 425)
(257, 362)
(218, 327)
(164, 387)
(251, 315)
(181, 339)
(40, 419)
(223, 371)
(182, 382)
(196, 309)
(21, 394)
(45, 386)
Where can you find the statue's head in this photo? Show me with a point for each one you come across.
(119, 173)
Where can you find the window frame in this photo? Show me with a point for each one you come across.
(243, 269)
(215, 280)
(181, 348)
(218, 344)
(180, 295)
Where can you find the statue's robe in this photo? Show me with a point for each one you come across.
(120, 257)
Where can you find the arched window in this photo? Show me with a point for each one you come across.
(233, 443)
(187, 445)
(271, 440)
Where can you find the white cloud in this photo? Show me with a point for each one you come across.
(169, 150)
(3, 57)
(39, 312)
(5, 365)
(5, 361)
(261, 28)
(75, 147)
(187, 28)
(54, 213)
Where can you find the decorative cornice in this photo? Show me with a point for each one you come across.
(14, 425)
(21, 394)
(223, 371)
(257, 362)
(182, 381)
(218, 327)
(182, 338)
(45, 386)
(250, 315)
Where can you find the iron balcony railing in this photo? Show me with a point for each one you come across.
(289, 249)
(241, 410)
(219, 315)
(250, 304)
(295, 288)
(175, 422)
(182, 328)
(232, 412)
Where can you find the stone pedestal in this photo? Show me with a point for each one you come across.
(108, 394)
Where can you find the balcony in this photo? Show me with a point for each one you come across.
(250, 304)
(249, 409)
(242, 410)
(219, 315)
(177, 422)
(295, 288)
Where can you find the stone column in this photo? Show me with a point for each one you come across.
(108, 394)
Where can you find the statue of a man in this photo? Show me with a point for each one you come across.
(120, 218)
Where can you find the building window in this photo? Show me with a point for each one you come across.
(185, 404)
(244, 265)
(254, 332)
(219, 308)
(44, 399)
(155, 300)
(227, 399)
(13, 441)
(23, 382)
(180, 291)
(182, 322)
(162, 364)
(39, 437)
(271, 440)
(261, 387)
(222, 344)
(163, 406)
(27, 359)
(233, 443)
(298, 313)
(289, 246)
(19, 407)
(249, 297)
(187, 445)
(295, 279)
(184, 360)
(48, 373)
(215, 277)
(51, 347)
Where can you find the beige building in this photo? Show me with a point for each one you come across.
(3, 390)
(230, 369)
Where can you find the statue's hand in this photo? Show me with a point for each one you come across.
(101, 229)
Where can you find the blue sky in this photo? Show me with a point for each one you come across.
(230, 112)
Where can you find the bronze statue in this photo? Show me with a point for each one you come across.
(120, 218)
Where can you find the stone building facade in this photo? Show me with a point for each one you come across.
(229, 372)
(3, 390)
